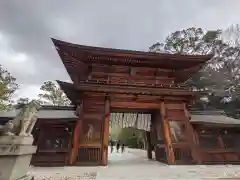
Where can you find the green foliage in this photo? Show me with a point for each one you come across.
(114, 132)
(132, 137)
(188, 41)
(52, 94)
(220, 77)
(8, 86)
(133, 142)
(232, 109)
(192, 41)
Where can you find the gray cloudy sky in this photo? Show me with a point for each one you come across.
(27, 25)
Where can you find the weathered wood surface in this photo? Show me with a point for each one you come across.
(218, 145)
(91, 142)
(188, 146)
(106, 133)
(53, 144)
(128, 80)
(89, 60)
(167, 134)
(77, 132)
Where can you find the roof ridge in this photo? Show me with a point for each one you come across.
(157, 54)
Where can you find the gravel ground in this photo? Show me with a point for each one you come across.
(133, 165)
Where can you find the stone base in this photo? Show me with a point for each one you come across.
(15, 156)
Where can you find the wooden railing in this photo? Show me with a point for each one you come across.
(49, 158)
(140, 82)
(213, 153)
(160, 154)
(89, 156)
(183, 156)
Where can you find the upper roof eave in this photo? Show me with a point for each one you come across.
(131, 53)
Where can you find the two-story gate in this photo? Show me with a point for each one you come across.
(106, 80)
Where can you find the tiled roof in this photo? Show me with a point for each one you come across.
(46, 112)
(53, 112)
(214, 119)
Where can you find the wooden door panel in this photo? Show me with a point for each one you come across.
(89, 156)
(53, 146)
(91, 135)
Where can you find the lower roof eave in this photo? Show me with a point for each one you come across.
(87, 87)
(210, 124)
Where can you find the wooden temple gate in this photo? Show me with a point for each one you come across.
(109, 80)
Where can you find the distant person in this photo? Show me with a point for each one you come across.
(111, 145)
(123, 147)
(118, 146)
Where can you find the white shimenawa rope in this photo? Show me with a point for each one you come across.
(136, 120)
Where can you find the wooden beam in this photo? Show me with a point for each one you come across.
(149, 145)
(173, 106)
(167, 62)
(167, 134)
(137, 97)
(132, 110)
(90, 145)
(77, 130)
(125, 75)
(106, 133)
(136, 105)
(128, 89)
(147, 97)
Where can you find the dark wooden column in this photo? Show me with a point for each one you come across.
(37, 143)
(77, 130)
(149, 145)
(106, 133)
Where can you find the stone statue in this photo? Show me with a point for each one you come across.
(24, 122)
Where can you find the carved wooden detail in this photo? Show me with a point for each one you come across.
(110, 80)
(53, 144)
(106, 80)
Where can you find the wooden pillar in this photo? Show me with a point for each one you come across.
(40, 136)
(106, 133)
(149, 145)
(77, 130)
(167, 135)
(193, 140)
(38, 143)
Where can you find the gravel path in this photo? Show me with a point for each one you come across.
(133, 165)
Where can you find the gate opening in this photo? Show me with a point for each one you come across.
(136, 130)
